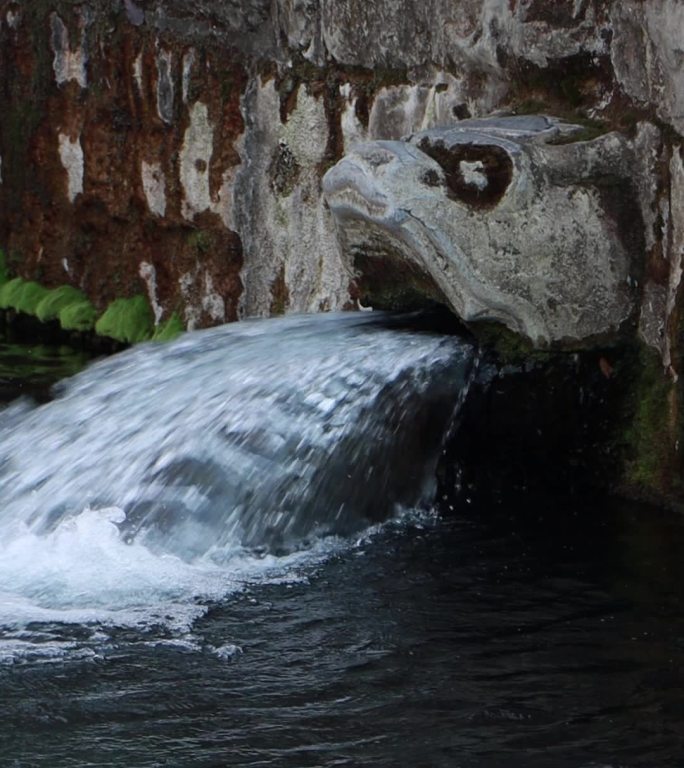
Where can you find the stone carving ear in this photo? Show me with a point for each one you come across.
(475, 174)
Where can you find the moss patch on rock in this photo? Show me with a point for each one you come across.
(650, 435)
(78, 316)
(127, 320)
(29, 297)
(66, 304)
(22, 295)
(56, 300)
(4, 277)
(509, 347)
(170, 329)
(9, 292)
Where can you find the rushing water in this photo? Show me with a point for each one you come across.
(158, 608)
(169, 475)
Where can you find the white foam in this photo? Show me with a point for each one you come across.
(83, 574)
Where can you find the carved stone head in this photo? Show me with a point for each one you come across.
(505, 219)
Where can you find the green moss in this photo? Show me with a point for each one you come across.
(590, 130)
(127, 320)
(56, 300)
(4, 277)
(170, 329)
(29, 297)
(510, 347)
(9, 292)
(648, 436)
(200, 241)
(21, 295)
(78, 316)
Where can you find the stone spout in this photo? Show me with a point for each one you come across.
(510, 219)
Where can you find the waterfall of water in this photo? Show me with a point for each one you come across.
(246, 441)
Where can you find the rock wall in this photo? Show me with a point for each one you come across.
(176, 148)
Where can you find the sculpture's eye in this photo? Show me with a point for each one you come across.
(477, 174)
(431, 178)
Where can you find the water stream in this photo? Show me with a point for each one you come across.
(226, 551)
(169, 475)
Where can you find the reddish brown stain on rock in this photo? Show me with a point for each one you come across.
(490, 164)
(98, 241)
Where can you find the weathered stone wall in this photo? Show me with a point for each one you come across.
(176, 148)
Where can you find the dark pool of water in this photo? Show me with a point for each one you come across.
(29, 368)
(545, 639)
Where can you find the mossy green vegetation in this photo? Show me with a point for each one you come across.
(56, 300)
(649, 436)
(78, 316)
(29, 297)
(22, 295)
(4, 276)
(200, 241)
(66, 303)
(9, 291)
(170, 329)
(127, 320)
(511, 348)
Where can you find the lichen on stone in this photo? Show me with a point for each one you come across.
(199, 240)
(127, 320)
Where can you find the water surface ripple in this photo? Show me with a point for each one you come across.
(555, 641)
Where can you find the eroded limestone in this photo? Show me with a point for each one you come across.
(154, 186)
(292, 259)
(71, 155)
(68, 64)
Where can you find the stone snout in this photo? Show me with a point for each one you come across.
(502, 219)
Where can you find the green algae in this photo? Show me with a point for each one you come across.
(169, 330)
(127, 320)
(78, 316)
(56, 300)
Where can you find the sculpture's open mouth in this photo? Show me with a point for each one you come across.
(347, 200)
(380, 236)
(493, 221)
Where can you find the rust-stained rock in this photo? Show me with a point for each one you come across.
(152, 133)
(108, 182)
